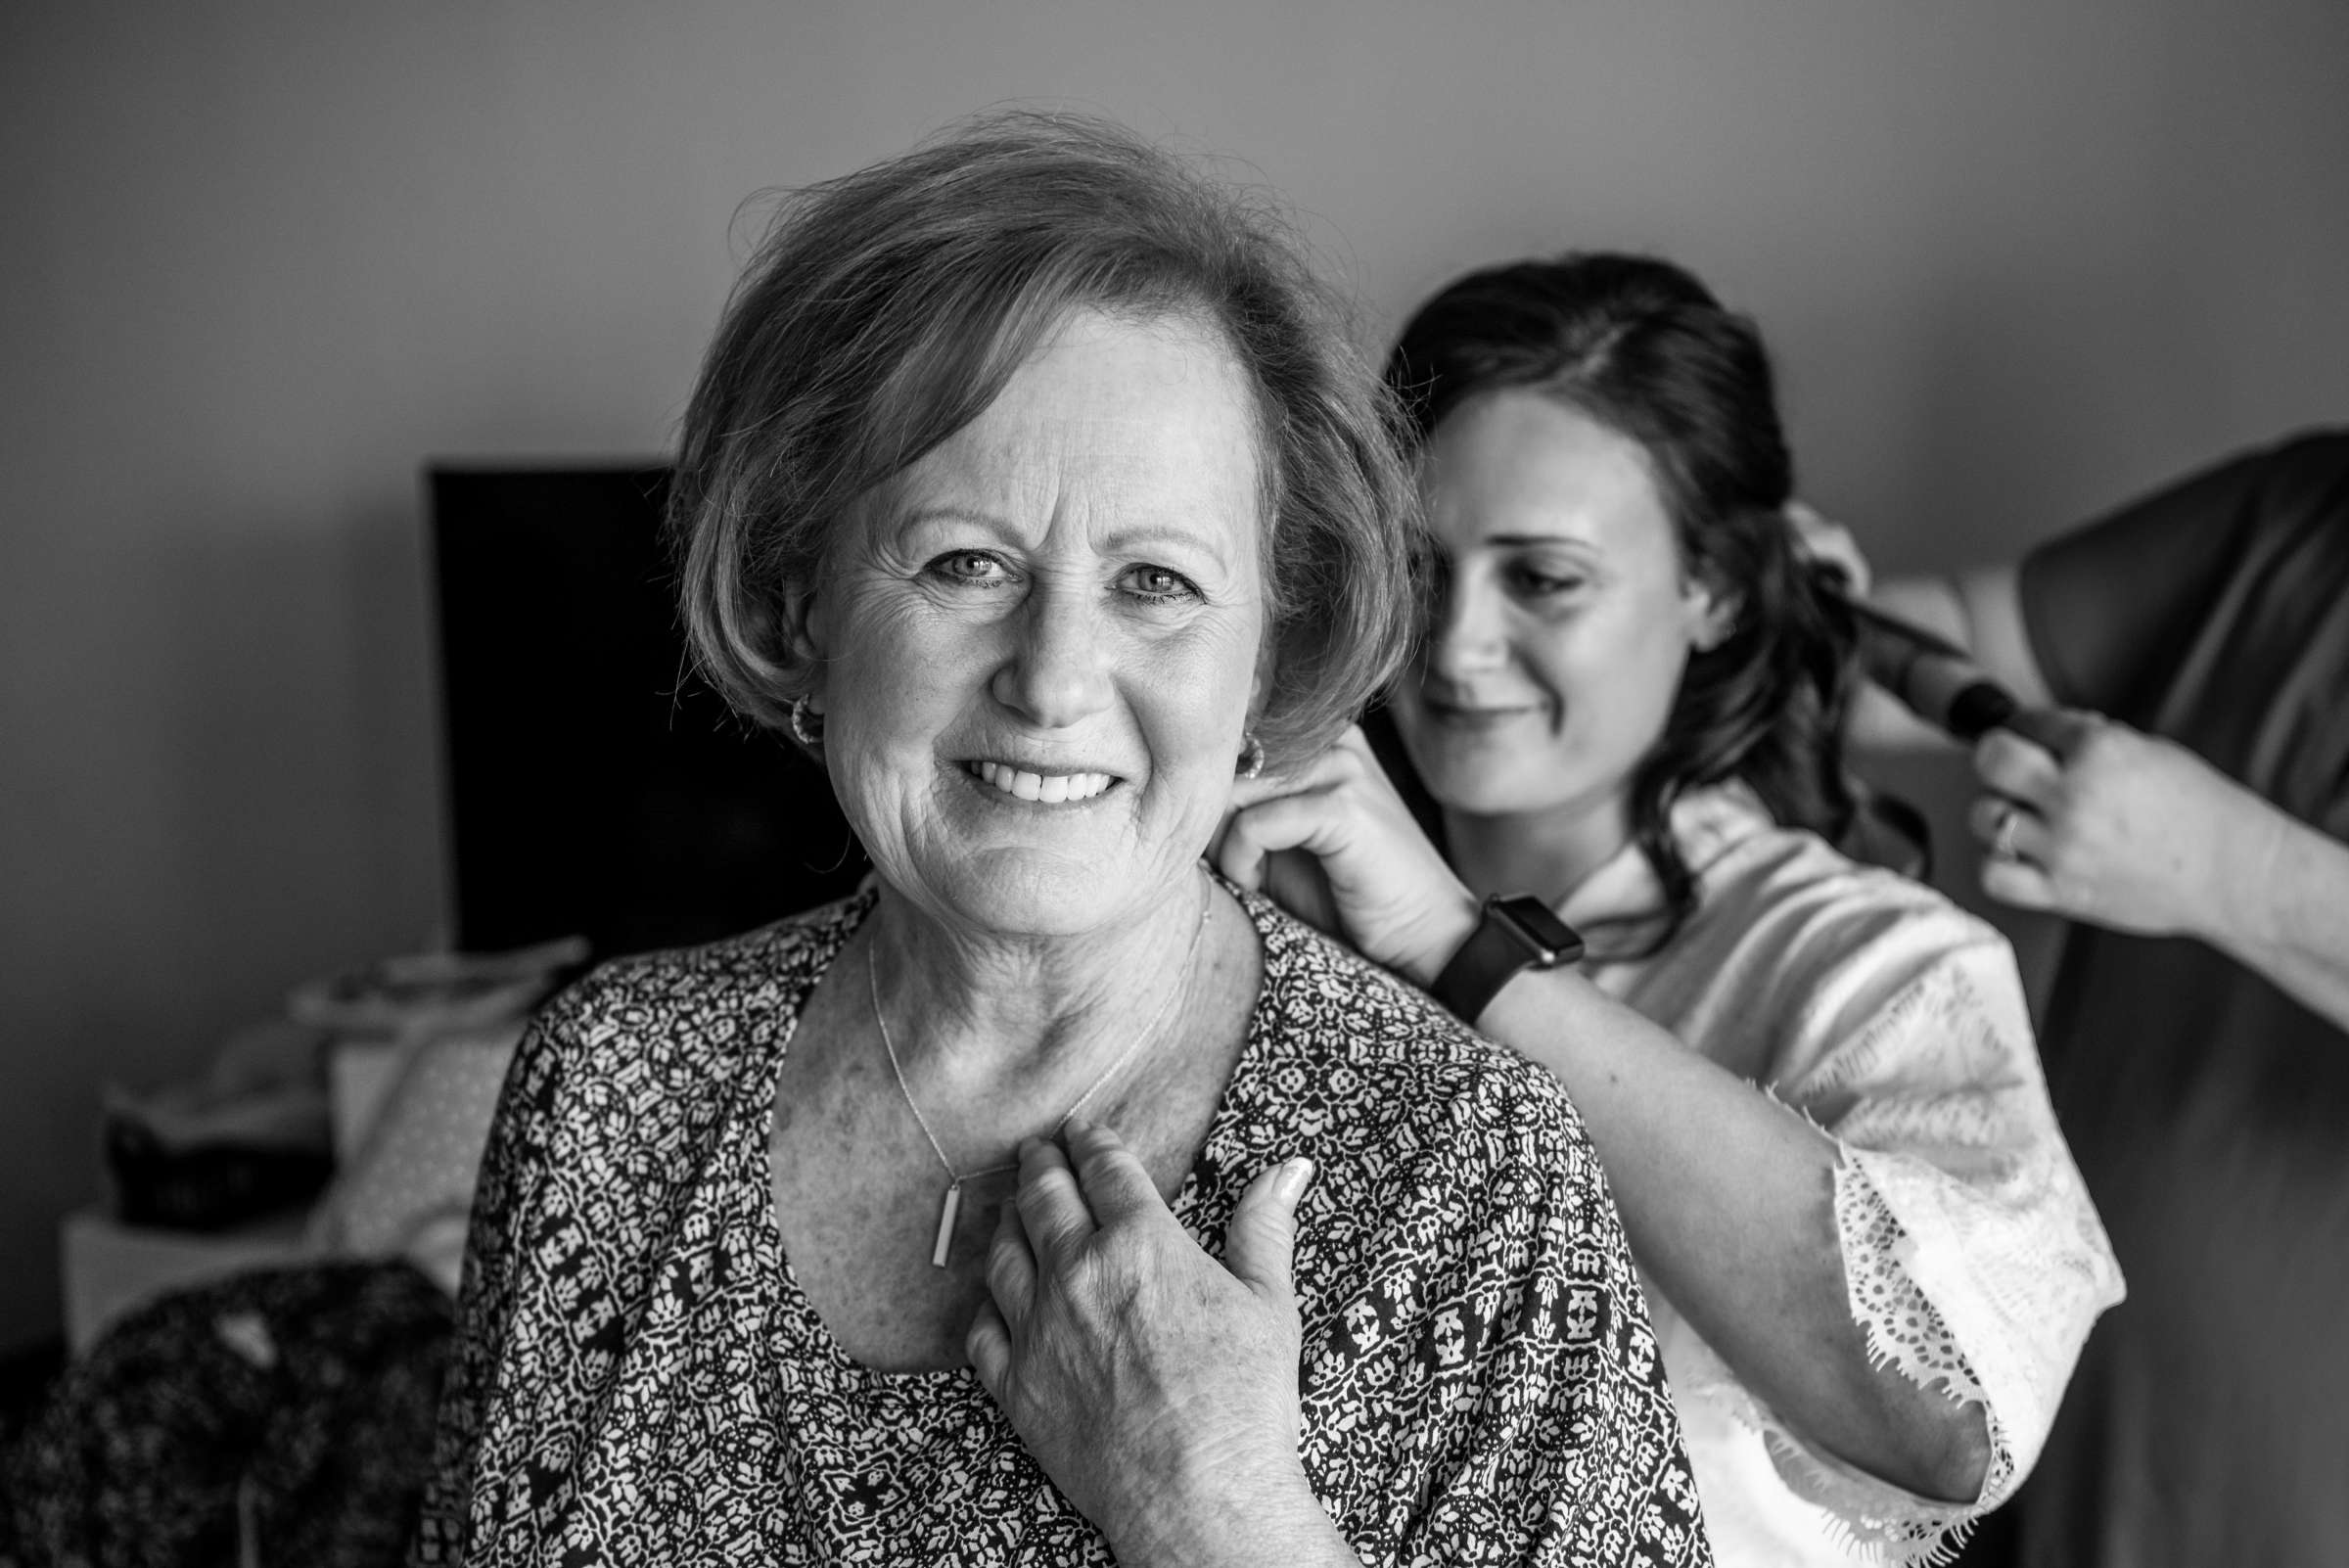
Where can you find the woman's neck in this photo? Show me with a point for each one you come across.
(1547, 852)
(977, 1015)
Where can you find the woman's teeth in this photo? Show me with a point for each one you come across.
(1050, 788)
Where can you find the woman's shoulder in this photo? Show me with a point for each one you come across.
(1442, 1156)
(693, 1001)
(1791, 883)
(1368, 1038)
(1760, 885)
(1465, 1291)
(1796, 953)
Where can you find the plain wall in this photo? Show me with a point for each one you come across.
(257, 262)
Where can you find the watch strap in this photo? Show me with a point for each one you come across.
(1514, 933)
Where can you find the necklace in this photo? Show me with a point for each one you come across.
(950, 1205)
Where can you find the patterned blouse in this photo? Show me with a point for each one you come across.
(639, 1378)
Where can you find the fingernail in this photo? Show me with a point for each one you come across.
(1292, 1178)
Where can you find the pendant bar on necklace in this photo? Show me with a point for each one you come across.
(949, 1206)
(946, 1210)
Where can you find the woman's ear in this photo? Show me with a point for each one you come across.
(803, 627)
(1261, 683)
(1712, 613)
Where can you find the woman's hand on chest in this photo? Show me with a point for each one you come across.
(1156, 1385)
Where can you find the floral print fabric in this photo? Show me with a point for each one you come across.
(639, 1378)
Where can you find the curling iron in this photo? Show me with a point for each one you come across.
(1931, 676)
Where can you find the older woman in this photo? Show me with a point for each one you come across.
(1027, 486)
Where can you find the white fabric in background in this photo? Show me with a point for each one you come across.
(409, 1192)
(1895, 1021)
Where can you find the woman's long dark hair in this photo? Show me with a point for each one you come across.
(1645, 350)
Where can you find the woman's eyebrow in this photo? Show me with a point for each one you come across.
(1575, 540)
(931, 514)
(1133, 538)
(1143, 534)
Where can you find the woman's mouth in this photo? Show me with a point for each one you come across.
(1048, 789)
(1456, 716)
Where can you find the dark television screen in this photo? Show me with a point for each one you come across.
(594, 784)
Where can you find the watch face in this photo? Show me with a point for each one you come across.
(1542, 928)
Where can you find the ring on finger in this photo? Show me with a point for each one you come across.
(2002, 838)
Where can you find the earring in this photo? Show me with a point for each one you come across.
(1251, 755)
(809, 735)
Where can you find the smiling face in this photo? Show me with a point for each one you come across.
(1038, 645)
(1567, 615)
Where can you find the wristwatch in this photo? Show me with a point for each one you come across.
(1514, 932)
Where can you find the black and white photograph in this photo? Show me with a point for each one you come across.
(1034, 784)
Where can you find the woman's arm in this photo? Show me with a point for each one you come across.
(1727, 1197)
(1728, 1200)
(2124, 830)
(2293, 927)
(2132, 832)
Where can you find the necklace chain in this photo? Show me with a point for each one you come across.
(873, 976)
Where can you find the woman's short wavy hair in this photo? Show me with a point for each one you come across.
(886, 309)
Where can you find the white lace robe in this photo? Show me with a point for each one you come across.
(1974, 1260)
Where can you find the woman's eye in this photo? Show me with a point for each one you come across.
(1157, 582)
(1543, 585)
(970, 566)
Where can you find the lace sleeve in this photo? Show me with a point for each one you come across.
(1974, 1259)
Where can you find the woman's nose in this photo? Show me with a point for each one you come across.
(1059, 670)
(1468, 638)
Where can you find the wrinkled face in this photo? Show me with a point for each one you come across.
(1566, 620)
(1040, 644)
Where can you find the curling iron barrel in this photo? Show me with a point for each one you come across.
(1933, 679)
